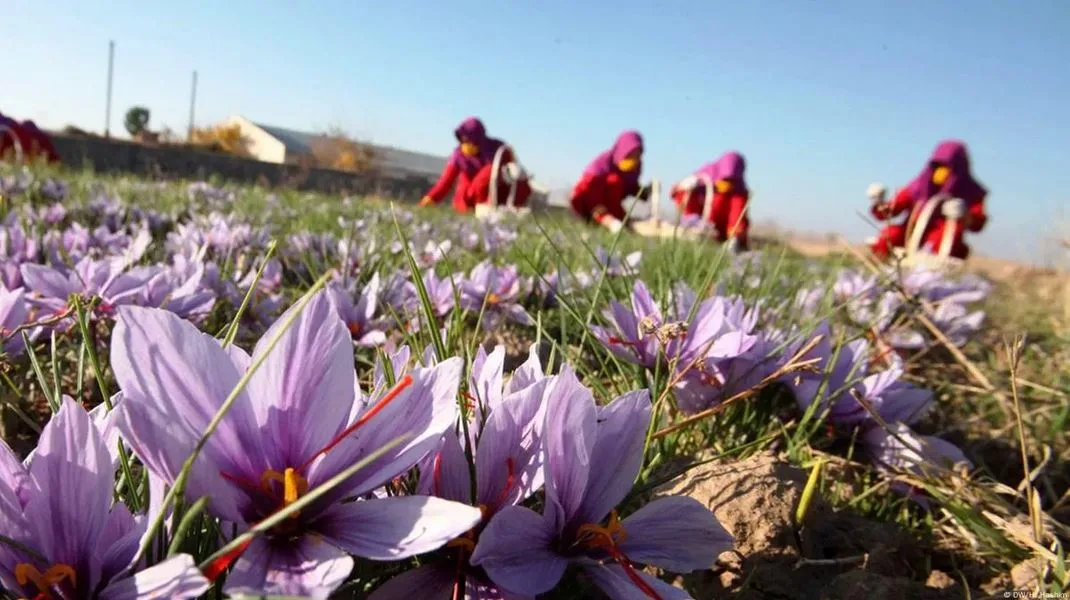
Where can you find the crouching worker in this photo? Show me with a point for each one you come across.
(470, 167)
(728, 215)
(947, 174)
(27, 137)
(610, 178)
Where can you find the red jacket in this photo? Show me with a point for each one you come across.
(728, 212)
(464, 198)
(597, 196)
(974, 220)
(35, 143)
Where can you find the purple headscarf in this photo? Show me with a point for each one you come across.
(472, 129)
(606, 162)
(730, 166)
(960, 183)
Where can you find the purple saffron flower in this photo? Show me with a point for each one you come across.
(625, 340)
(54, 214)
(440, 292)
(55, 190)
(17, 246)
(60, 505)
(807, 301)
(848, 378)
(508, 458)
(468, 236)
(107, 279)
(400, 295)
(72, 243)
(615, 266)
(593, 455)
(266, 300)
(957, 322)
(497, 237)
(359, 316)
(495, 291)
(297, 424)
(432, 253)
(180, 289)
(13, 314)
(936, 286)
(898, 449)
(721, 355)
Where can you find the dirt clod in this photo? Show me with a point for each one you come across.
(834, 555)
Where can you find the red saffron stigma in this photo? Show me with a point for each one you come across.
(510, 481)
(619, 341)
(405, 382)
(436, 475)
(635, 578)
(217, 566)
(240, 481)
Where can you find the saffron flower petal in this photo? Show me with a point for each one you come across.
(176, 577)
(619, 585)
(303, 392)
(620, 433)
(515, 550)
(397, 527)
(305, 567)
(675, 533)
(434, 580)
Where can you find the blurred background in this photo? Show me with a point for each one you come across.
(821, 97)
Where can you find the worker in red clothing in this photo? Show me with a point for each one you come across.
(470, 168)
(947, 174)
(609, 179)
(730, 197)
(37, 144)
(10, 136)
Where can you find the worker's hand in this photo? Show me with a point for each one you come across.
(613, 224)
(426, 201)
(732, 245)
(876, 192)
(954, 209)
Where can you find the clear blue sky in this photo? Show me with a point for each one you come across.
(821, 96)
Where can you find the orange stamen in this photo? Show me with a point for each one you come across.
(405, 382)
(26, 573)
(493, 298)
(607, 538)
(293, 485)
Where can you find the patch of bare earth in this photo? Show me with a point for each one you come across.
(832, 555)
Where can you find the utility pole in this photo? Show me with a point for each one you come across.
(192, 104)
(107, 108)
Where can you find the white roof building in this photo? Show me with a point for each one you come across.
(280, 145)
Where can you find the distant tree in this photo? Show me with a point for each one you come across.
(336, 149)
(221, 138)
(137, 121)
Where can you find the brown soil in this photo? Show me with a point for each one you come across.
(833, 555)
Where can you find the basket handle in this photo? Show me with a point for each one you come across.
(8, 130)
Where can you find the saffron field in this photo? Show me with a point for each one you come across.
(220, 391)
